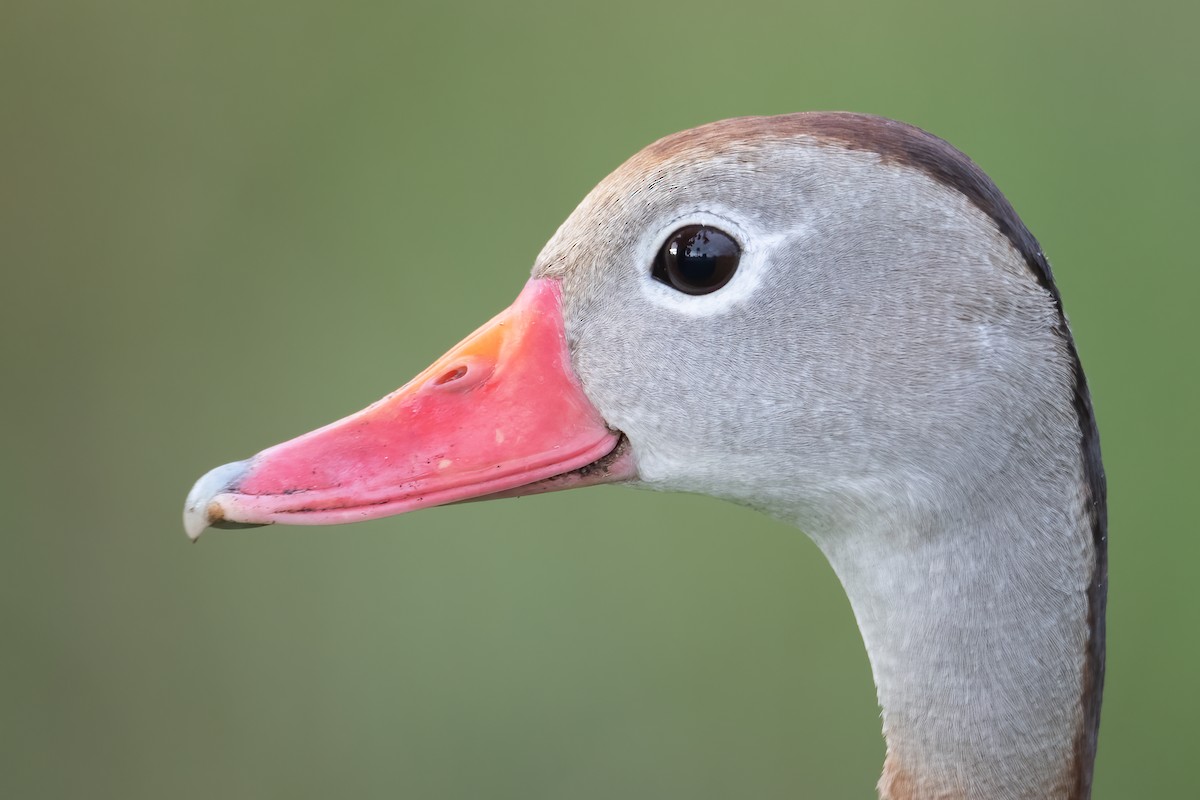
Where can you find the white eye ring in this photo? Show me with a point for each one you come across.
(739, 288)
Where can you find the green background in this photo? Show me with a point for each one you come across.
(225, 223)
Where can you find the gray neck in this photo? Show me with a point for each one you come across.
(893, 373)
(977, 620)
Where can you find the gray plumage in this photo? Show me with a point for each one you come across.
(888, 373)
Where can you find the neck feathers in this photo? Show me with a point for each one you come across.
(981, 621)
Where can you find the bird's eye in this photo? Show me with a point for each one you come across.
(697, 259)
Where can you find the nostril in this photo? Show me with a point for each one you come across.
(451, 375)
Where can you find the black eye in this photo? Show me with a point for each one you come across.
(697, 259)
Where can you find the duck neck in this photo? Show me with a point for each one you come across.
(981, 622)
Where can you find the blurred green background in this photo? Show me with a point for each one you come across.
(223, 224)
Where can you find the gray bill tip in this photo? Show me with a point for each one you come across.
(202, 508)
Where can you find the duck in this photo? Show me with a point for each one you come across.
(833, 318)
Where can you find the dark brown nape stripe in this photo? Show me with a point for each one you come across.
(896, 142)
(1097, 508)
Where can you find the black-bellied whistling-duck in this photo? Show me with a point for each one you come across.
(836, 319)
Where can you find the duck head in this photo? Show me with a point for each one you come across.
(848, 322)
(836, 319)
